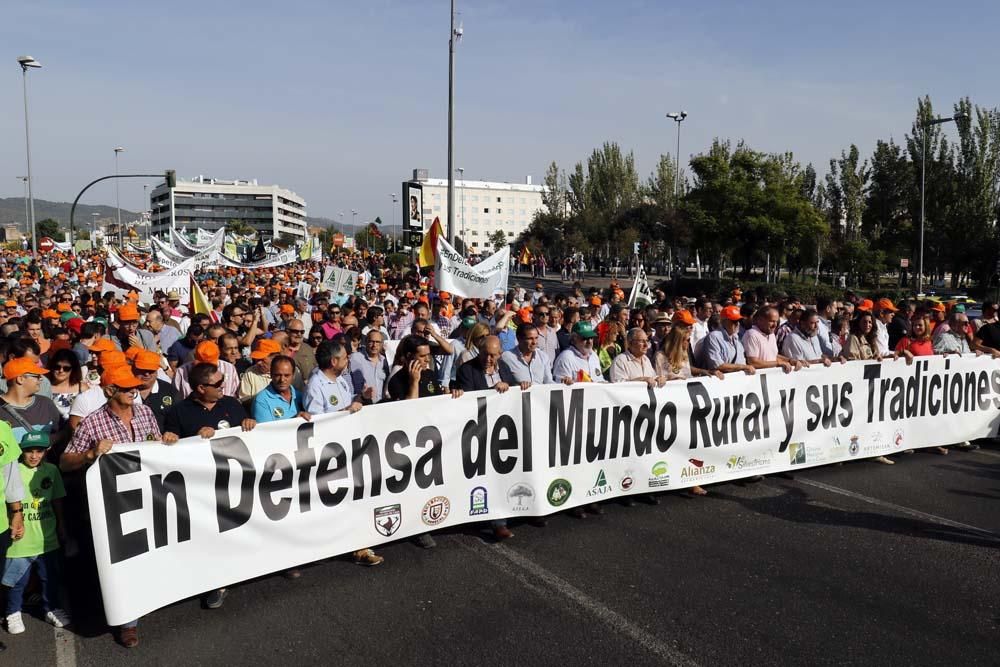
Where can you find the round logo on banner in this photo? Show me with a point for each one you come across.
(435, 510)
(521, 497)
(559, 492)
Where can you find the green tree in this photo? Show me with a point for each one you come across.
(554, 195)
(48, 227)
(239, 227)
(846, 185)
(497, 239)
(887, 222)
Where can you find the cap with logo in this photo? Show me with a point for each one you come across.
(35, 440)
(584, 330)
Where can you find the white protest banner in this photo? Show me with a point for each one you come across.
(171, 522)
(340, 280)
(188, 249)
(281, 259)
(121, 277)
(453, 274)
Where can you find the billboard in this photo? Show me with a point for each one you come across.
(413, 207)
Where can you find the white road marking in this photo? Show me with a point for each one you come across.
(896, 508)
(65, 648)
(538, 579)
(986, 452)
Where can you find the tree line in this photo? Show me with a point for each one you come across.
(754, 214)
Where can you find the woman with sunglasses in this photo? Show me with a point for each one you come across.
(67, 380)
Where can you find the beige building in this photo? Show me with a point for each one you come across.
(482, 207)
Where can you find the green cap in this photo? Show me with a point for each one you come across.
(468, 322)
(584, 330)
(960, 308)
(101, 320)
(67, 316)
(35, 440)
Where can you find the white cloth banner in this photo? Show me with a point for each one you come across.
(282, 259)
(171, 522)
(184, 247)
(453, 274)
(121, 277)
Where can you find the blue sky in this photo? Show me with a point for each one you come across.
(339, 101)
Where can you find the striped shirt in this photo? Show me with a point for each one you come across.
(102, 424)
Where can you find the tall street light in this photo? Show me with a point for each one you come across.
(925, 129)
(454, 36)
(678, 117)
(461, 176)
(93, 230)
(26, 62)
(26, 223)
(121, 236)
(394, 201)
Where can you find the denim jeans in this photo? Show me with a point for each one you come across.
(47, 567)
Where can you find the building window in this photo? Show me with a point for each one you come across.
(498, 200)
(486, 210)
(510, 234)
(499, 211)
(475, 233)
(475, 244)
(475, 197)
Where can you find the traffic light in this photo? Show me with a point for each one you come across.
(171, 177)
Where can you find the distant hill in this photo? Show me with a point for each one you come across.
(12, 210)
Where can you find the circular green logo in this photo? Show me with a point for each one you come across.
(559, 492)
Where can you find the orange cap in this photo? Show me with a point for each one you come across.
(119, 376)
(595, 301)
(132, 353)
(102, 345)
(146, 360)
(684, 317)
(265, 348)
(866, 305)
(9, 303)
(886, 304)
(939, 307)
(15, 368)
(444, 296)
(112, 358)
(48, 313)
(128, 313)
(731, 313)
(287, 309)
(62, 307)
(525, 314)
(206, 352)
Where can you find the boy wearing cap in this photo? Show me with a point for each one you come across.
(23, 407)
(44, 528)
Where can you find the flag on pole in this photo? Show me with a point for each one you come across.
(199, 302)
(428, 250)
(525, 256)
(640, 295)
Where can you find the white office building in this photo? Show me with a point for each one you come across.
(482, 207)
(209, 203)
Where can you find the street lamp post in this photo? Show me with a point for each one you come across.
(26, 62)
(678, 117)
(354, 224)
(454, 36)
(118, 206)
(93, 230)
(461, 177)
(925, 129)
(26, 220)
(394, 201)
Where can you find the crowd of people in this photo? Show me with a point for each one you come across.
(86, 370)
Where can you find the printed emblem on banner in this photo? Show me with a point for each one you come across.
(279, 412)
(741, 463)
(796, 453)
(478, 501)
(854, 446)
(601, 486)
(435, 510)
(897, 438)
(627, 481)
(520, 497)
(696, 469)
(559, 492)
(223, 424)
(388, 519)
(661, 475)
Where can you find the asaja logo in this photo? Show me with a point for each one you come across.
(334, 400)
(279, 412)
(854, 446)
(696, 469)
(388, 519)
(478, 501)
(797, 453)
(520, 497)
(897, 438)
(601, 486)
(167, 401)
(559, 492)
(661, 475)
(435, 510)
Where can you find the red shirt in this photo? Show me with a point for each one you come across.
(918, 348)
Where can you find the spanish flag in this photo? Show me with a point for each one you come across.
(428, 250)
(525, 256)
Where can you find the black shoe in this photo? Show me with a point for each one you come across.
(628, 501)
(594, 508)
(425, 541)
(578, 512)
(538, 522)
(649, 499)
(215, 599)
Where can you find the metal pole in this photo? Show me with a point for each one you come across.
(27, 230)
(677, 162)
(27, 147)
(450, 231)
(923, 186)
(121, 237)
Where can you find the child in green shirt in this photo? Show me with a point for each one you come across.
(39, 548)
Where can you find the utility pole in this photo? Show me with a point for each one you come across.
(454, 35)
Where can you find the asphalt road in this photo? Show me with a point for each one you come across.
(854, 564)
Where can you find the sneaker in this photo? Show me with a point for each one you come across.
(215, 599)
(367, 557)
(15, 625)
(292, 573)
(58, 618)
(425, 541)
(129, 637)
(885, 461)
(967, 446)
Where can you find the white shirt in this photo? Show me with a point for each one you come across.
(699, 331)
(569, 363)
